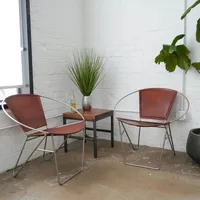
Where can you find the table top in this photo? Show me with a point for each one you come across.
(94, 114)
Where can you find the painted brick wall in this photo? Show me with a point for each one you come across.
(129, 34)
(57, 29)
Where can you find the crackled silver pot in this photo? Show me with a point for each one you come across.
(86, 103)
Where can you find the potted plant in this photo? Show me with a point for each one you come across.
(85, 70)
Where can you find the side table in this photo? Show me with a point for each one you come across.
(93, 116)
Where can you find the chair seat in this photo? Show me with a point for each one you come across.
(62, 130)
(141, 123)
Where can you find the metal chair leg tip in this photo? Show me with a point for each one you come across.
(14, 176)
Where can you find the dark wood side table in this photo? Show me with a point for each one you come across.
(93, 116)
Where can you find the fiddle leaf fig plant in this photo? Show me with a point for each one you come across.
(196, 3)
(174, 55)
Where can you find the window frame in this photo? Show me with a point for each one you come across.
(26, 24)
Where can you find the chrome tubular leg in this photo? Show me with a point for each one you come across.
(138, 146)
(55, 158)
(83, 151)
(15, 174)
(161, 154)
(169, 138)
(121, 137)
(128, 137)
(170, 135)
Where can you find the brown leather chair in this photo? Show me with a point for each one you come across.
(155, 105)
(28, 113)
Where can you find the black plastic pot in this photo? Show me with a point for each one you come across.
(193, 144)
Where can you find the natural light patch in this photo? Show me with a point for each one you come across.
(10, 48)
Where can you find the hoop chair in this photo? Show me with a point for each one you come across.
(155, 105)
(29, 114)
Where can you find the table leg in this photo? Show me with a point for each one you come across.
(95, 139)
(112, 130)
(65, 137)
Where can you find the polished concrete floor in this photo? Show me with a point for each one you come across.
(106, 178)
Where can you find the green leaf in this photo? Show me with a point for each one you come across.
(183, 61)
(161, 57)
(196, 65)
(177, 38)
(198, 31)
(190, 8)
(166, 48)
(172, 49)
(182, 50)
(171, 63)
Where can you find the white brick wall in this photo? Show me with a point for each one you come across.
(129, 34)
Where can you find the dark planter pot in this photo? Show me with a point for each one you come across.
(193, 144)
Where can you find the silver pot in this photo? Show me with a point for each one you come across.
(86, 103)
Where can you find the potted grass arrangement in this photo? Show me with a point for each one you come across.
(85, 70)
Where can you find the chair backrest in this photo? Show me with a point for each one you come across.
(27, 109)
(156, 103)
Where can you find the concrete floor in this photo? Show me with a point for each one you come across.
(106, 178)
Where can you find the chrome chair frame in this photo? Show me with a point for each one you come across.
(44, 137)
(167, 135)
